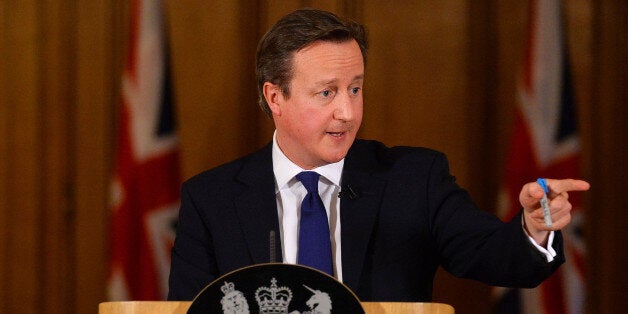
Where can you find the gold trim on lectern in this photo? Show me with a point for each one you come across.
(181, 307)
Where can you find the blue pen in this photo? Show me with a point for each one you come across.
(544, 202)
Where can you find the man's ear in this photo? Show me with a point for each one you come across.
(273, 96)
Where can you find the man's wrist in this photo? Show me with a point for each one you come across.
(546, 248)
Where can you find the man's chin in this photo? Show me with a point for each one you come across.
(336, 156)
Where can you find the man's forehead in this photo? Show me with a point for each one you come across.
(320, 42)
(322, 53)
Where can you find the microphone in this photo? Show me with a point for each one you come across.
(349, 191)
(271, 240)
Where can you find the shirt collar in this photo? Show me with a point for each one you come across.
(285, 170)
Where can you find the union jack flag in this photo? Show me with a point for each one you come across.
(145, 188)
(545, 143)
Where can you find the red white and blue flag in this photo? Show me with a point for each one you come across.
(545, 143)
(145, 188)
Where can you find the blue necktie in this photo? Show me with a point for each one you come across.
(314, 243)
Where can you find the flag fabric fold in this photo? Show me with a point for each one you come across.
(145, 187)
(544, 143)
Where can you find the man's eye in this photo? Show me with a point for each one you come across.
(355, 90)
(326, 93)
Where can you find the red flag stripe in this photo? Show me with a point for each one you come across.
(145, 189)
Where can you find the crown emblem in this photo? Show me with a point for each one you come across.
(227, 288)
(273, 299)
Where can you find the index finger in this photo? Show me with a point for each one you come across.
(566, 185)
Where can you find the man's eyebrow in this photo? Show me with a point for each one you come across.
(326, 82)
(335, 80)
(358, 77)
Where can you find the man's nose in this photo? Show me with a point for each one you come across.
(345, 108)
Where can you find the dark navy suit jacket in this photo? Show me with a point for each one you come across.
(409, 216)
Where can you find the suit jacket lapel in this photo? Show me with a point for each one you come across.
(358, 215)
(256, 207)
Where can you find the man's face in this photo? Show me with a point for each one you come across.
(318, 122)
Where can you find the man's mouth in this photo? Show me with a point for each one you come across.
(336, 134)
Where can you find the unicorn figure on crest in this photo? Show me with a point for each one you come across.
(319, 303)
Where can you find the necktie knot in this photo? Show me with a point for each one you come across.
(309, 179)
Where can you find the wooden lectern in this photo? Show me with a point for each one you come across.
(303, 286)
(173, 307)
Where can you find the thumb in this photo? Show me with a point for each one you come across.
(530, 195)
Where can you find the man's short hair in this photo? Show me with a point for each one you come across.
(292, 33)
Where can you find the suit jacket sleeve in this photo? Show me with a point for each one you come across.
(474, 244)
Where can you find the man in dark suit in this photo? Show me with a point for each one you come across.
(394, 214)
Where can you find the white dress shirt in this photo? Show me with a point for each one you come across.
(290, 193)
